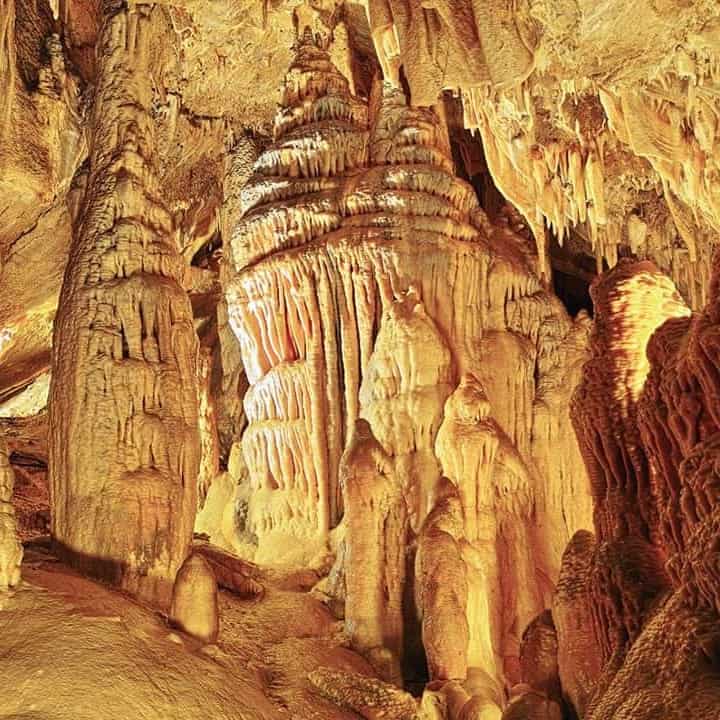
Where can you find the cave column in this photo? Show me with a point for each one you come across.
(124, 444)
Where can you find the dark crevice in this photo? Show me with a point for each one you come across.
(573, 270)
(205, 256)
(405, 85)
(573, 291)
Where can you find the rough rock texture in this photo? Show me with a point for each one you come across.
(653, 516)
(124, 445)
(370, 698)
(538, 656)
(631, 302)
(11, 551)
(342, 345)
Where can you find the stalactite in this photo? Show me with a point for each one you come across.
(628, 165)
(123, 404)
(207, 421)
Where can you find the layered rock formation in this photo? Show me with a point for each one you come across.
(339, 347)
(123, 399)
(289, 355)
(646, 441)
(354, 228)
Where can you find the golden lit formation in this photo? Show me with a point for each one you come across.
(394, 394)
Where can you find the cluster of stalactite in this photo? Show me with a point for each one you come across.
(124, 447)
(630, 164)
(627, 163)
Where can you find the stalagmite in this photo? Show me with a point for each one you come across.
(631, 302)
(123, 402)
(291, 360)
(11, 551)
(377, 527)
(194, 607)
(327, 245)
(402, 397)
(495, 493)
(442, 586)
(652, 516)
(579, 655)
(538, 656)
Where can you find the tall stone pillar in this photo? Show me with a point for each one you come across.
(124, 446)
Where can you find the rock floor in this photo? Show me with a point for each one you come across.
(72, 649)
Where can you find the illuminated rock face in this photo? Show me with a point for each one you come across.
(644, 418)
(393, 336)
(11, 551)
(124, 401)
(393, 400)
(632, 302)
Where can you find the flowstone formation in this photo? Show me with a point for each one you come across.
(124, 399)
(281, 310)
(367, 284)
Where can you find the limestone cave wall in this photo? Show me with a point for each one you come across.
(369, 344)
